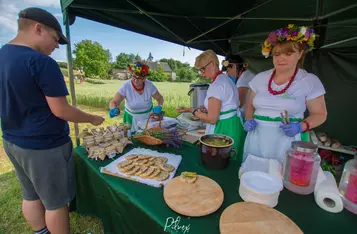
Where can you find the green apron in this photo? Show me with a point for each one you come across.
(133, 117)
(229, 124)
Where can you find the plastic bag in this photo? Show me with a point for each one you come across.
(167, 123)
(185, 122)
(254, 163)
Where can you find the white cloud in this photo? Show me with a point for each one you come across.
(45, 3)
(8, 16)
(59, 15)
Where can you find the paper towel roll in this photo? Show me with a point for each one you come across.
(320, 178)
(327, 195)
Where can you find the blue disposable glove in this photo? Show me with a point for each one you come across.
(250, 125)
(114, 112)
(157, 109)
(291, 129)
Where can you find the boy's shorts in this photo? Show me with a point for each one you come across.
(46, 175)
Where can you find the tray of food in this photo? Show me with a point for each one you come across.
(103, 143)
(324, 142)
(145, 166)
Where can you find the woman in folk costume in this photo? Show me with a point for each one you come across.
(221, 102)
(284, 90)
(138, 93)
(237, 70)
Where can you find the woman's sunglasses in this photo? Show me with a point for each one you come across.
(203, 69)
(136, 77)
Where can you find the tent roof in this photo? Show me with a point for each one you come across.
(215, 25)
(241, 27)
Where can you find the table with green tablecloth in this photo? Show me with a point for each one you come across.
(126, 207)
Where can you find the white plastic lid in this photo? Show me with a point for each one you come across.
(261, 182)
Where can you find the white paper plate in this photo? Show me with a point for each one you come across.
(271, 201)
(261, 182)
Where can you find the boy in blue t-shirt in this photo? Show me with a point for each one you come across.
(34, 114)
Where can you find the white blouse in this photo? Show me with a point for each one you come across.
(225, 90)
(135, 102)
(306, 86)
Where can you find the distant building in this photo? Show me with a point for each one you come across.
(165, 67)
(120, 74)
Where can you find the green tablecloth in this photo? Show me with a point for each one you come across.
(127, 207)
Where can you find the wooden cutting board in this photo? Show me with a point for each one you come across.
(250, 217)
(201, 198)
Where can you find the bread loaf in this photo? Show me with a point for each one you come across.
(327, 143)
(322, 137)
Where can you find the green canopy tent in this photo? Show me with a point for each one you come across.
(240, 27)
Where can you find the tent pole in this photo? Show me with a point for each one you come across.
(338, 42)
(156, 21)
(253, 48)
(70, 72)
(245, 36)
(318, 9)
(226, 22)
(338, 11)
(212, 41)
(223, 39)
(79, 6)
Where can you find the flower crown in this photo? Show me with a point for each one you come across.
(291, 33)
(226, 63)
(139, 69)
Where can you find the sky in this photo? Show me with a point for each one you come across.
(115, 39)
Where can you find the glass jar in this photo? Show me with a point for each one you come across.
(348, 185)
(301, 167)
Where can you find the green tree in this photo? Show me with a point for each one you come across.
(122, 60)
(175, 64)
(62, 64)
(184, 72)
(109, 55)
(138, 58)
(93, 58)
(185, 75)
(159, 75)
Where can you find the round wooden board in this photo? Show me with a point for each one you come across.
(201, 198)
(250, 217)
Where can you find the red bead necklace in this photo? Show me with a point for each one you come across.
(137, 89)
(283, 90)
(217, 74)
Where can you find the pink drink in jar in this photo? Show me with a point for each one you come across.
(351, 191)
(301, 167)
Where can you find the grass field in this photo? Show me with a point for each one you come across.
(91, 98)
(99, 95)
